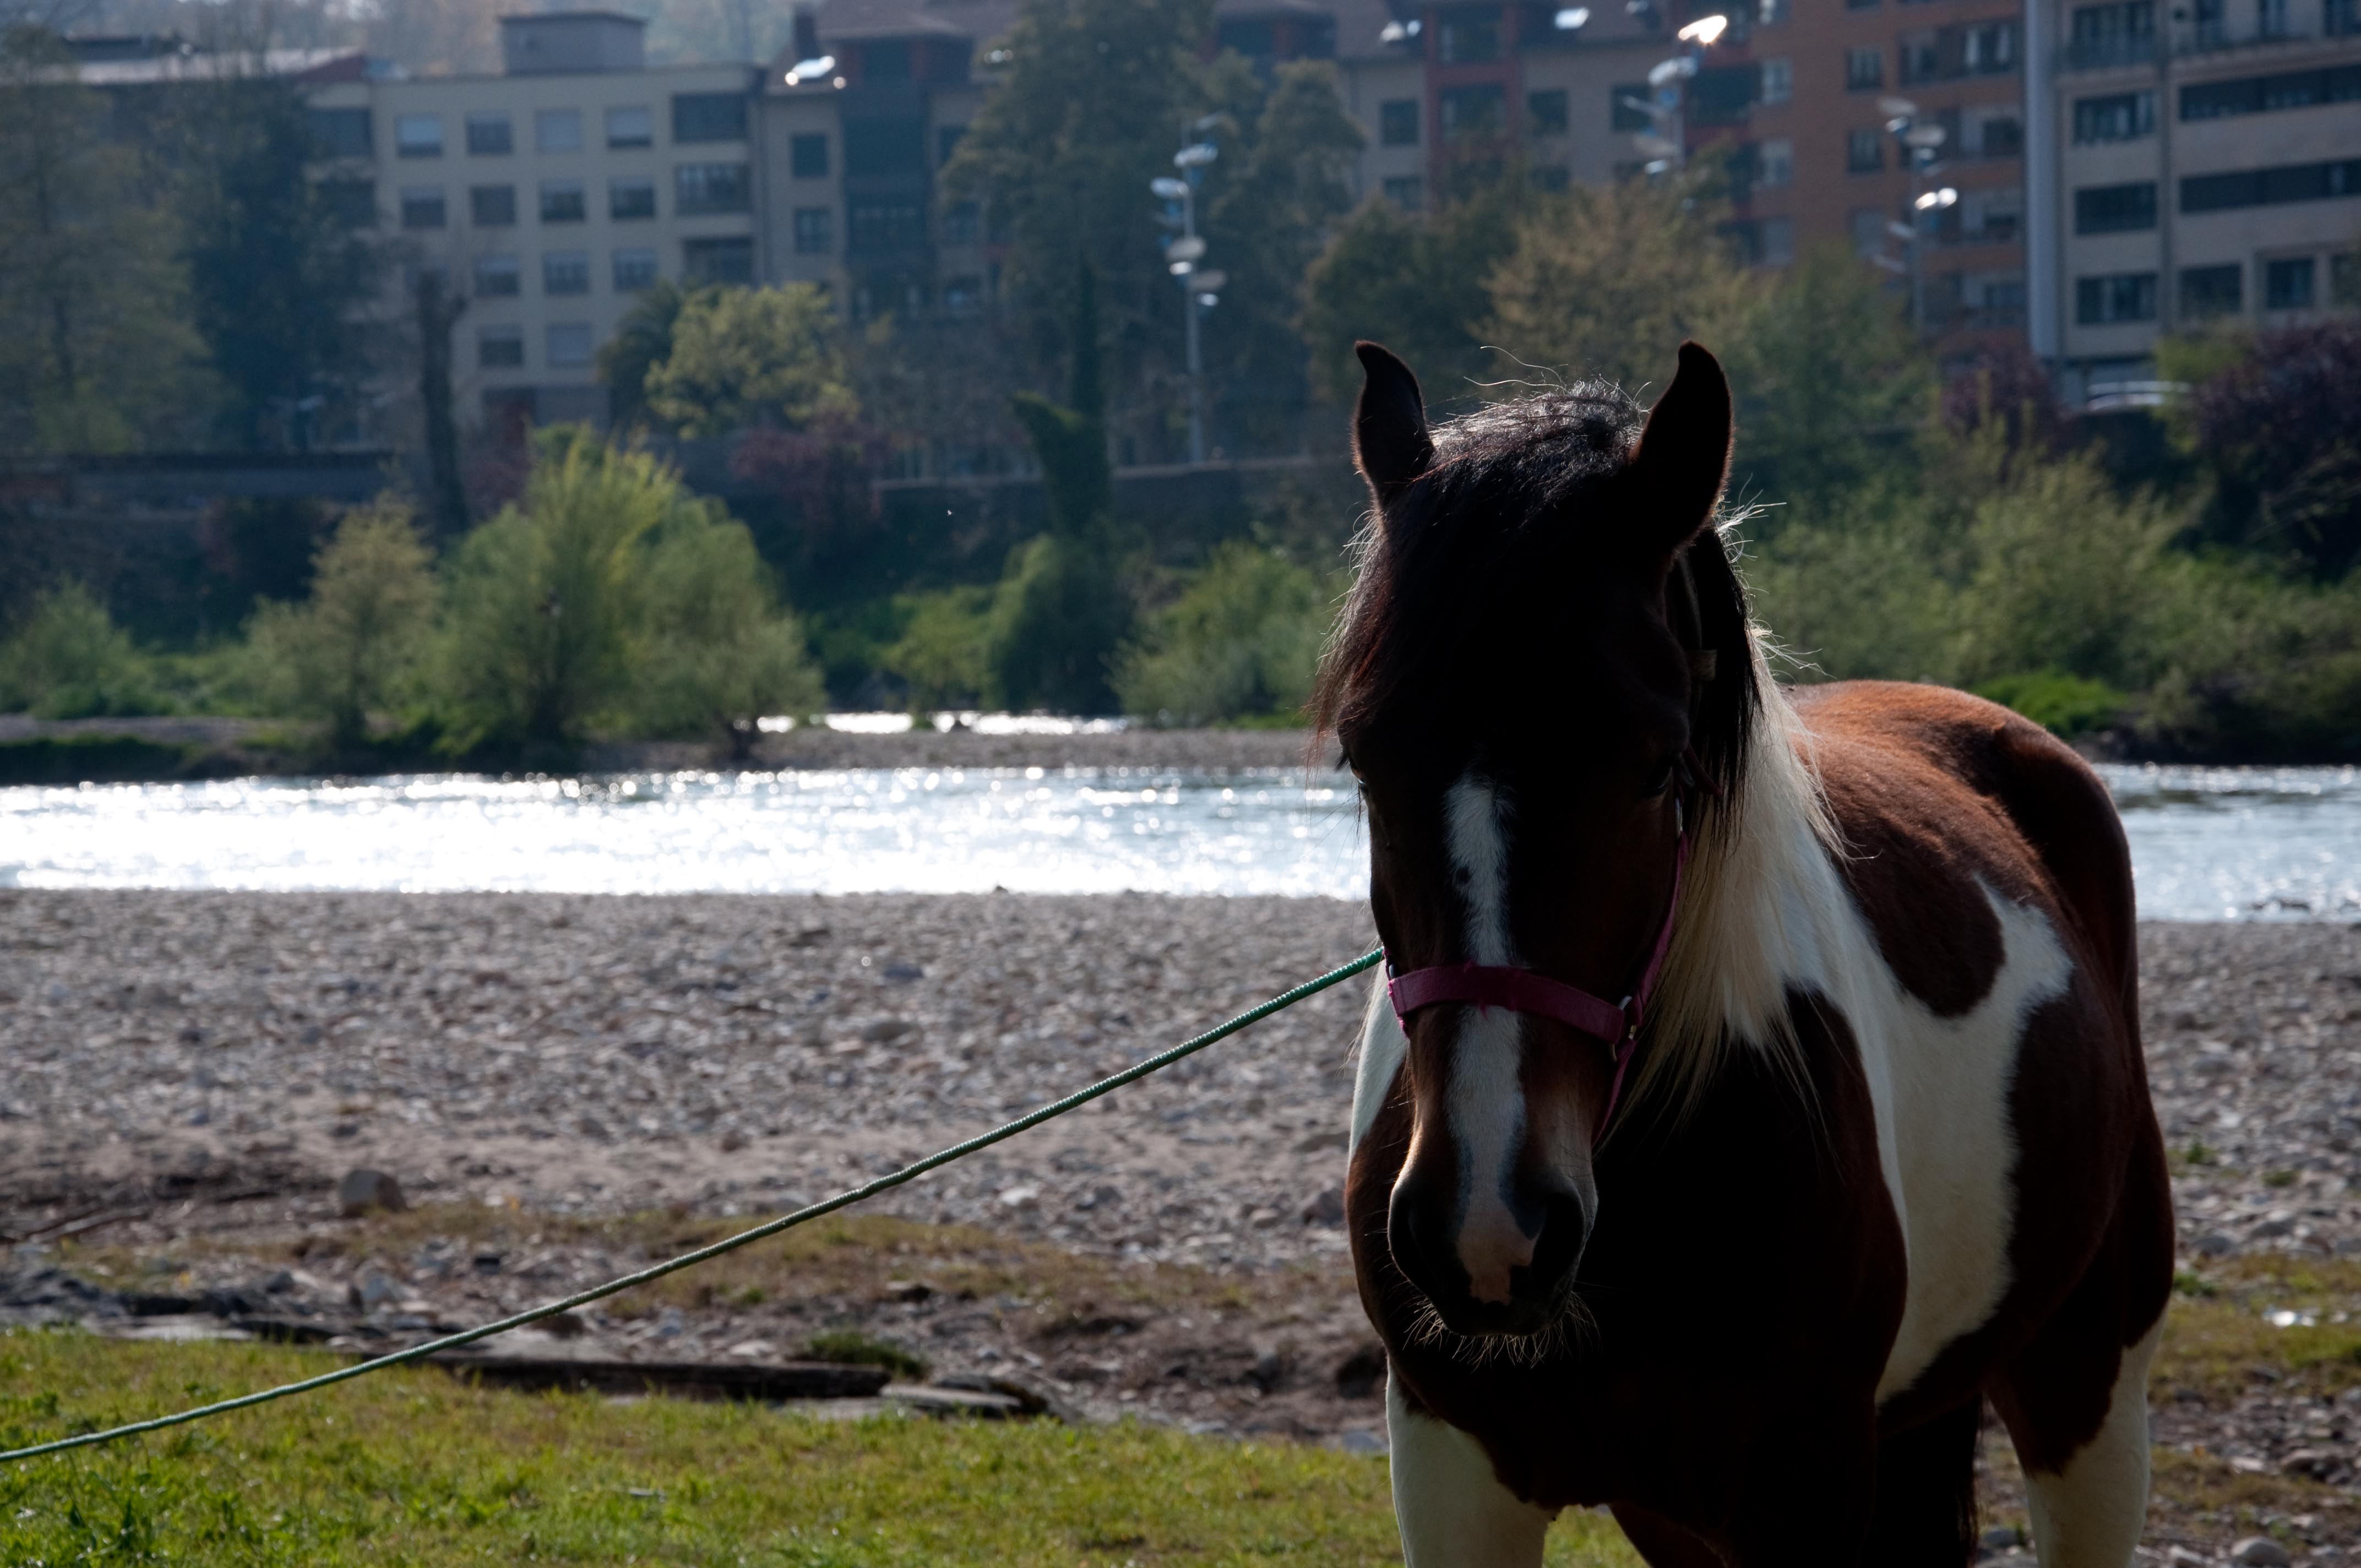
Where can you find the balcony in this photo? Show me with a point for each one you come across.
(2206, 40)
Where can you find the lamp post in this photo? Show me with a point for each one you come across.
(1199, 288)
(1667, 145)
(1920, 142)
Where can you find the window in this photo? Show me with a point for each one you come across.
(2271, 187)
(565, 272)
(2119, 117)
(632, 125)
(2271, 18)
(808, 156)
(1628, 108)
(488, 136)
(569, 344)
(1864, 69)
(1922, 58)
(2344, 280)
(1988, 49)
(1778, 242)
(886, 145)
(2288, 283)
(962, 223)
(418, 136)
(1253, 38)
(962, 296)
(1861, 4)
(718, 260)
(1865, 150)
(498, 275)
(2003, 303)
(2208, 27)
(1475, 111)
(1778, 81)
(1398, 121)
(558, 130)
(1721, 95)
(816, 230)
(2003, 136)
(2117, 34)
(708, 116)
(1769, 13)
(1774, 163)
(2115, 209)
(2260, 95)
(2212, 292)
(1470, 33)
(877, 228)
(499, 347)
(634, 270)
(2341, 19)
(562, 201)
(1993, 215)
(1545, 112)
(628, 199)
(1868, 225)
(886, 60)
(2121, 297)
(1406, 192)
(946, 140)
(492, 206)
(710, 188)
(342, 133)
(352, 203)
(422, 207)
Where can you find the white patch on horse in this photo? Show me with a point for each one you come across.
(2090, 1514)
(1486, 1104)
(1383, 1046)
(1448, 1502)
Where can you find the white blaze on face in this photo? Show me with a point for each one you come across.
(1486, 1097)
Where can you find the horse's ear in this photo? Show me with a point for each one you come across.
(1391, 445)
(1682, 457)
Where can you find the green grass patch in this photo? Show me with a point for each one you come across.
(2221, 1330)
(848, 1348)
(417, 1467)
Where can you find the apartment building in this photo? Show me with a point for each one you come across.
(551, 194)
(2208, 165)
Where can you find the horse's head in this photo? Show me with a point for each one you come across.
(1515, 685)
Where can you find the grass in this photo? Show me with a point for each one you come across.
(415, 1467)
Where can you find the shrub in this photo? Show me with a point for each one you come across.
(543, 597)
(1057, 617)
(1240, 643)
(944, 649)
(353, 645)
(713, 647)
(67, 658)
(2063, 704)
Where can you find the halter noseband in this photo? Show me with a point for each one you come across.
(1524, 990)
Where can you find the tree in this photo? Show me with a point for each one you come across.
(438, 311)
(96, 350)
(712, 650)
(1606, 282)
(751, 358)
(642, 341)
(1832, 386)
(352, 646)
(942, 654)
(1415, 283)
(1240, 642)
(67, 658)
(544, 597)
(280, 275)
(2278, 425)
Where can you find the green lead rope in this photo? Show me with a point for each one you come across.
(1031, 1119)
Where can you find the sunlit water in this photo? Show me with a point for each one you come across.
(2207, 844)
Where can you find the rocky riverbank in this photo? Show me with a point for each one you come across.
(184, 1076)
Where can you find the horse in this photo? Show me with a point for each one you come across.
(1755, 1093)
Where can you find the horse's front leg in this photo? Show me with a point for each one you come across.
(1452, 1510)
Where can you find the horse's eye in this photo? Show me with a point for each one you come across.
(1660, 781)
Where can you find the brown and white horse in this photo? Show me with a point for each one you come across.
(1885, 1152)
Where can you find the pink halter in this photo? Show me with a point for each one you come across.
(1522, 991)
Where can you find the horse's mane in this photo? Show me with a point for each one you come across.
(1426, 570)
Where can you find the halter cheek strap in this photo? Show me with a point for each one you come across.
(1522, 991)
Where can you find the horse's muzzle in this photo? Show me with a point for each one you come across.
(1509, 1278)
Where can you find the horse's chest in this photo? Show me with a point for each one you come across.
(1941, 1089)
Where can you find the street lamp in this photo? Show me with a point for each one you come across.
(1665, 106)
(1200, 289)
(1921, 141)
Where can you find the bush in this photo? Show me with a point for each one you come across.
(355, 644)
(67, 658)
(1239, 644)
(2063, 704)
(712, 648)
(1057, 617)
(944, 649)
(543, 597)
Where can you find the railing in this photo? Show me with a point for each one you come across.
(2101, 54)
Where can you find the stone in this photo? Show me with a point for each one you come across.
(2214, 1244)
(886, 1030)
(2260, 1551)
(1358, 1374)
(902, 974)
(363, 1189)
(2000, 1538)
(1020, 1197)
(1327, 1209)
(1362, 1442)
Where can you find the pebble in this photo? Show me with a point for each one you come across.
(2260, 1551)
(363, 1189)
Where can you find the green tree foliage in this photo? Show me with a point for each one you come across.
(353, 647)
(711, 648)
(642, 341)
(1832, 387)
(278, 280)
(67, 658)
(743, 358)
(544, 597)
(943, 656)
(1240, 642)
(1415, 283)
(97, 354)
(1606, 282)
(1095, 97)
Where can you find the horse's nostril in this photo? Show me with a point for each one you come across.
(1565, 1230)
